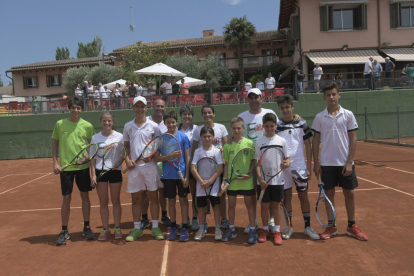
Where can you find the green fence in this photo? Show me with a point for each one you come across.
(30, 136)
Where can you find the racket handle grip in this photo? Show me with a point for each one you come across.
(225, 189)
(261, 196)
(181, 177)
(64, 167)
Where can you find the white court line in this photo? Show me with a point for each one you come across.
(24, 184)
(385, 166)
(382, 185)
(20, 174)
(164, 259)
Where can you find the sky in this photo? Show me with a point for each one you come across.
(32, 30)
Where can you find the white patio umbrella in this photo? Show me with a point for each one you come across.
(192, 81)
(160, 69)
(111, 85)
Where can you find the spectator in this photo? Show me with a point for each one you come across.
(368, 70)
(410, 72)
(85, 88)
(389, 67)
(377, 75)
(175, 87)
(404, 71)
(260, 84)
(144, 91)
(299, 77)
(97, 96)
(101, 89)
(328, 78)
(139, 89)
(152, 89)
(317, 75)
(184, 87)
(166, 87)
(118, 94)
(90, 91)
(105, 94)
(270, 81)
(133, 91)
(78, 91)
(35, 103)
(237, 87)
(247, 86)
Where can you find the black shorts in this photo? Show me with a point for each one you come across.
(241, 192)
(332, 177)
(202, 201)
(113, 176)
(171, 186)
(82, 177)
(273, 193)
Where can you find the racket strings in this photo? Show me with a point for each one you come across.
(152, 147)
(86, 154)
(241, 163)
(169, 145)
(114, 156)
(271, 160)
(206, 168)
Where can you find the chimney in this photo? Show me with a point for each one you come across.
(208, 33)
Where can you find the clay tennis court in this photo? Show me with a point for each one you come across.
(30, 222)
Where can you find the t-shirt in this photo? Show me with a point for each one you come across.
(271, 141)
(90, 90)
(388, 66)
(72, 136)
(118, 93)
(270, 82)
(410, 71)
(295, 132)
(334, 135)
(367, 70)
(35, 102)
(253, 123)
(78, 92)
(132, 91)
(184, 88)
(168, 87)
(228, 153)
(215, 154)
(105, 94)
(103, 142)
(260, 85)
(169, 172)
(220, 132)
(175, 88)
(138, 137)
(162, 126)
(317, 73)
(298, 77)
(85, 89)
(189, 132)
(377, 68)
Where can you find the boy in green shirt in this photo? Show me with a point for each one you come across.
(70, 136)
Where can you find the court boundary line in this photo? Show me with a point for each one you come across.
(128, 204)
(385, 166)
(382, 185)
(20, 174)
(24, 184)
(165, 259)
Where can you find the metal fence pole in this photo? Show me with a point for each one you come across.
(366, 123)
(398, 123)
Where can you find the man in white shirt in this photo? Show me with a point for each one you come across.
(270, 81)
(139, 89)
(317, 75)
(260, 84)
(166, 87)
(368, 70)
(247, 86)
(152, 89)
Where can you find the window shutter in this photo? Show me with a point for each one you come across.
(48, 82)
(394, 15)
(365, 17)
(24, 83)
(35, 79)
(323, 13)
(60, 80)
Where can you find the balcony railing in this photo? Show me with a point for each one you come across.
(250, 62)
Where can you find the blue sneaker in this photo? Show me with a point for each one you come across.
(252, 237)
(225, 224)
(188, 223)
(145, 223)
(230, 234)
(184, 235)
(194, 225)
(173, 234)
(205, 227)
(166, 221)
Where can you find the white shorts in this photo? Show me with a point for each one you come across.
(300, 177)
(144, 178)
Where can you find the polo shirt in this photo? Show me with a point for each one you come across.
(253, 123)
(388, 66)
(162, 126)
(189, 132)
(270, 82)
(367, 70)
(334, 135)
(168, 87)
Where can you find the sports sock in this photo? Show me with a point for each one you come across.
(194, 218)
(85, 224)
(276, 228)
(266, 227)
(173, 224)
(306, 218)
(185, 225)
(252, 227)
(137, 225)
(164, 213)
(154, 223)
(201, 227)
(64, 228)
(218, 226)
(145, 216)
(231, 227)
(350, 223)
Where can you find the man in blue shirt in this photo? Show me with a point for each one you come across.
(389, 67)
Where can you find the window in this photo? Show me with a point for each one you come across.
(246, 53)
(402, 14)
(53, 80)
(343, 17)
(30, 82)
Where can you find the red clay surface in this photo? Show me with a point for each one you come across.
(30, 222)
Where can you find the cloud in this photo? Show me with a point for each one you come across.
(233, 2)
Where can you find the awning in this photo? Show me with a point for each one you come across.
(287, 71)
(325, 3)
(344, 57)
(402, 54)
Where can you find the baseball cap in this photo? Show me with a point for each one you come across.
(387, 58)
(140, 99)
(255, 91)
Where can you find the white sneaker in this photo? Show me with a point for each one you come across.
(285, 234)
(247, 229)
(219, 234)
(200, 234)
(311, 233)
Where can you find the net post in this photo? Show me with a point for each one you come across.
(398, 123)
(366, 124)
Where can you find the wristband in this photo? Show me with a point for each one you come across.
(225, 179)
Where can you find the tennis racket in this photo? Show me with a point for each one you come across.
(84, 156)
(270, 165)
(169, 145)
(206, 168)
(240, 165)
(285, 224)
(113, 157)
(149, 151)
(328, 214)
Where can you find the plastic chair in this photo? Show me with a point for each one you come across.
(105, 103)
(266, 95)
(216, 98)
(227, 98)
(54, 106)
(25, 107)
(199, 99)
(278, 92)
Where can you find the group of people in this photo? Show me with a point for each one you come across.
(257, 128)
(269, 83)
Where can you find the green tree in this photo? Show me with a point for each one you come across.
(104, 73)
(1, 82)
(91, 49)
(210, 69)
(73, 77)
(276, 68)
(141, 56)
(239, 33)
(62, 53)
